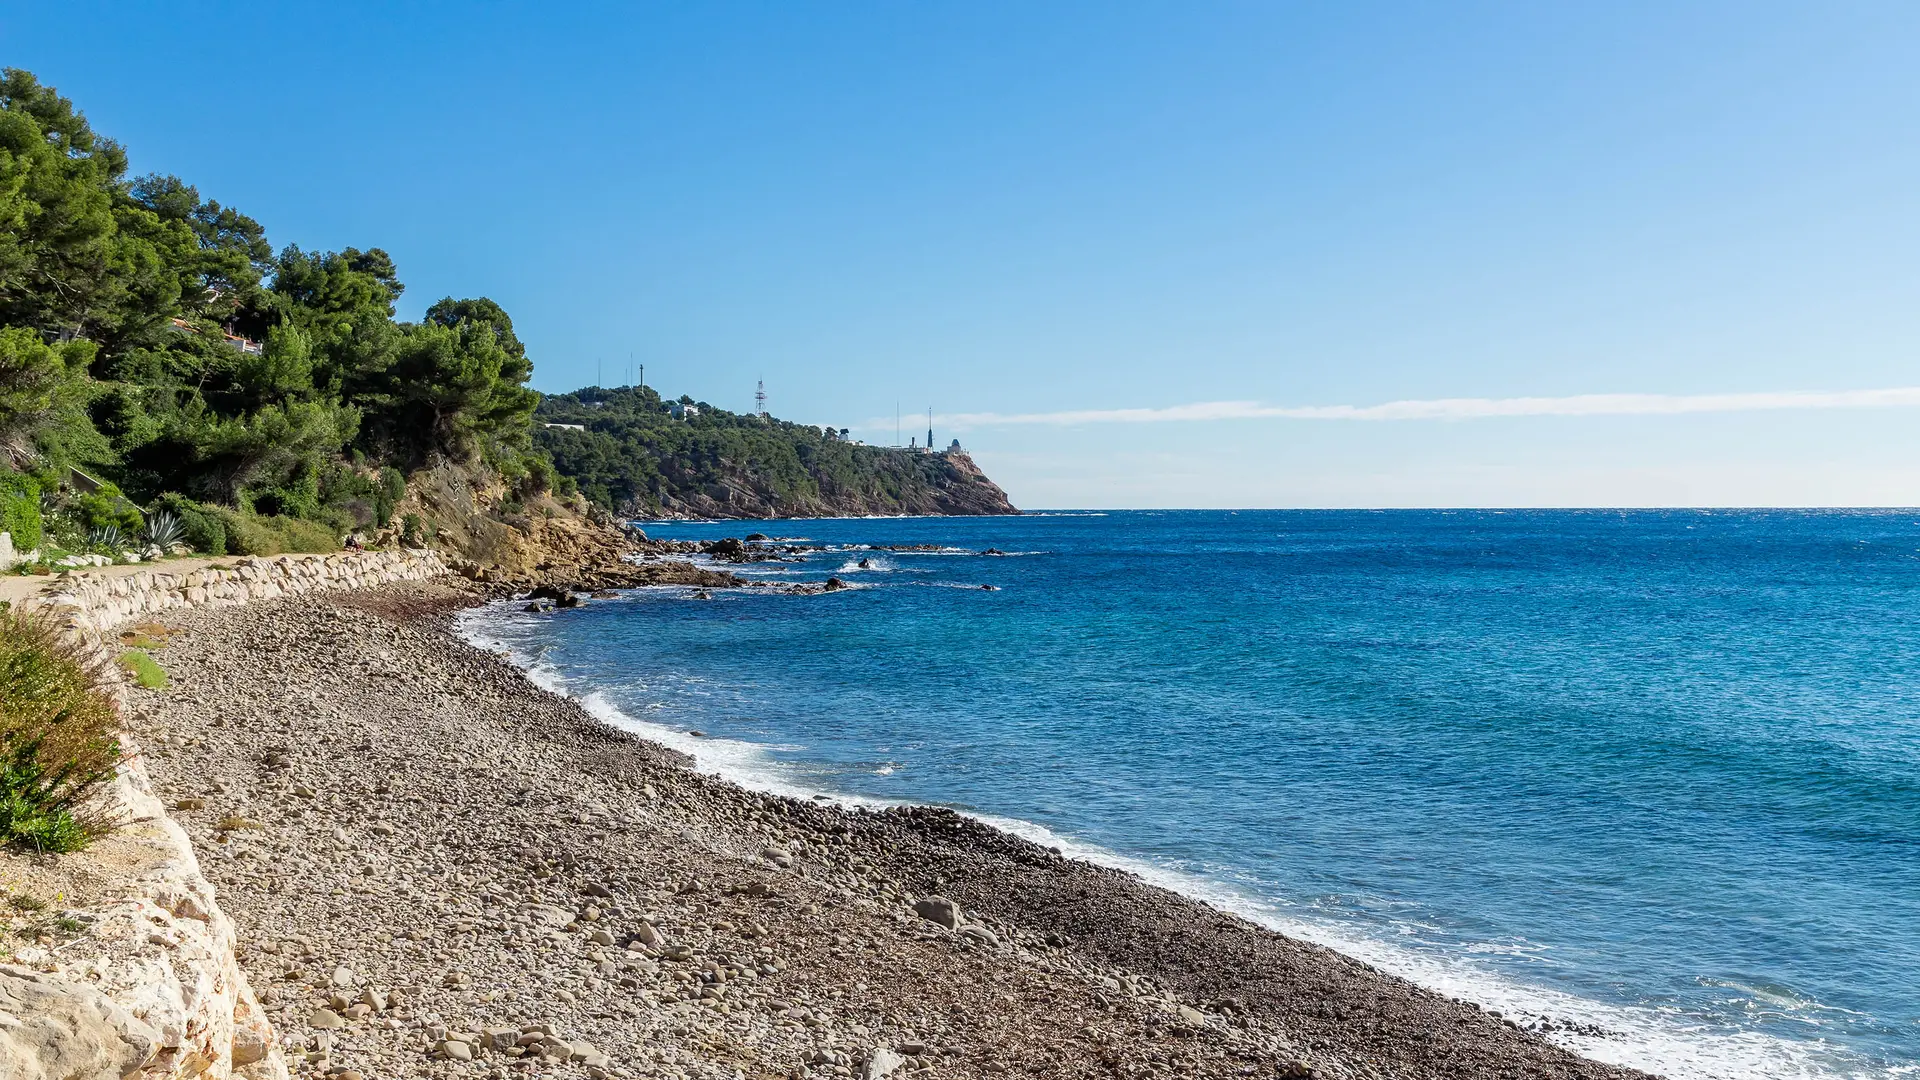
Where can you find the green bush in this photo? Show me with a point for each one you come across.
(298, 497)
(539, 477)
(20, 510)
(204, 528)
(104, 508)
(261, 534)
(57, 744)
(391, 488)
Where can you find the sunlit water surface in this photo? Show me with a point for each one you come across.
(1654, 775)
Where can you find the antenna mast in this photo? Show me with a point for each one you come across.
(929, 427)
(760, 398)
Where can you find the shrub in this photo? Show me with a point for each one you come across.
(104, 507)
(202, 528)
(57, 744)
(298, 497)
(388, 491)
(413, 531)
(538, 478)
(20, 510)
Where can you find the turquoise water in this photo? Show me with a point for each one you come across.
(1652, 774)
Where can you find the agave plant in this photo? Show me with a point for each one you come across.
(105, 538)
(164, 529)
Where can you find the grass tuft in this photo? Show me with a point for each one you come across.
(58, 742)
(145, 670)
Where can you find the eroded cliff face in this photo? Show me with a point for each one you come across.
(947, 483)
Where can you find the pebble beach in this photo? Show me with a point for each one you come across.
(438, 869)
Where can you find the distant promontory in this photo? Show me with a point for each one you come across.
(633, 453)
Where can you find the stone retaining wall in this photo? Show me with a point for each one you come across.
(154, 990)
(96, 604)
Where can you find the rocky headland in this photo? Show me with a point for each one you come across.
(633, 453)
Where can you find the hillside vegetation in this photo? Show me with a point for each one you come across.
(169, 379)
(635, 457)
(152, 339)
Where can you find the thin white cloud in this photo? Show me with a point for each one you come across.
(1455, 408)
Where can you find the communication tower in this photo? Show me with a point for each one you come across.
(929, 427)
(760, 398)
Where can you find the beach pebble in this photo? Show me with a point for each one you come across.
(980, 934)
(939, 909)
(881, 1062)
(552, 916)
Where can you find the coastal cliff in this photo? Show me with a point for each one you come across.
(633, 453)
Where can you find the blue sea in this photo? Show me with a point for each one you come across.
(1652, 773)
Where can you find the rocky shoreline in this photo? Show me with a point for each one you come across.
(437, 869)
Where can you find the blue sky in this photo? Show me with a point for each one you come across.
(1049, 220)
